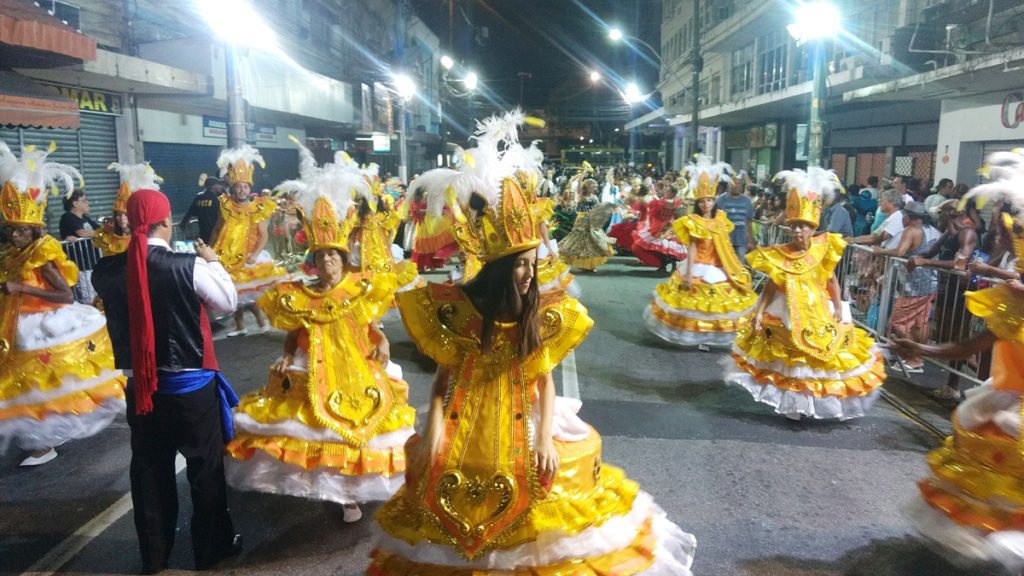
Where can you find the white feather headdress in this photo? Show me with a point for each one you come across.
(815, 183)
(1006, 173)
(237, 164)
(33, 172)
(137, 176)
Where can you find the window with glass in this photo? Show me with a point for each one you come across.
(742, 72)
(771, 61)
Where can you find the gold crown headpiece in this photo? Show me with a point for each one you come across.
(325, 199)
(238, 164)
(25, 182)
(133, 177)
(704, 176)
(492, 214)
(808, 193)
(1005, 170)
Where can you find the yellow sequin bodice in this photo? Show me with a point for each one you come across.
(346, 392)
(238, 234)
(482, 491)
(110, 243)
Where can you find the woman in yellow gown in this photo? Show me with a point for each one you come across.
(801, 353)
(973, 503)
(372, 242)
(115, 235)
(506, 478)
(333, 419)
(709, 296)
(57, 376)
(241, 234)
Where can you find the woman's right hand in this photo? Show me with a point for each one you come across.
(281, 366)
(427, 450)
(758, 319)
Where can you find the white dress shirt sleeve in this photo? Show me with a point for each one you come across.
(214, 287)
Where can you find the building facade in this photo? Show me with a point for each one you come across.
(918, 88)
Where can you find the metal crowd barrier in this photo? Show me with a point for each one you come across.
(874, 284)
(84, 255)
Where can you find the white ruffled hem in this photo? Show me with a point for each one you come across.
(664, 245)
(56, 429)
(264, 473)
(68, 323)
(685, 337)
(245, 424)
(697, 315)
(804, 372)
(966, 545)
(788, 402)
(674, 552)
(706, 272)
(70, 385)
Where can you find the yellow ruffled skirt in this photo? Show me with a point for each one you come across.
(708, 314)
(592, 521)
(768, 365)
(252, 280)
(58, 383)
(281, 448)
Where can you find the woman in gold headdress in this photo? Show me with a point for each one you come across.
(113, 238)
(332, 421)
(241, 234)
(972, 504)
(801, 353)
(57, 376)
(507, 479)
(709, 296)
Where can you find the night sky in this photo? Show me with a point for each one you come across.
(557, 42)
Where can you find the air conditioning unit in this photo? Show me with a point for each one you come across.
(66, 13)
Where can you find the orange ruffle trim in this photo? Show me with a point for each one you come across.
(346, 460)
(861, 385)
(972, 514)
(591, 263)
(632, 559)
(81, 402)
(697, 325)
(267, 270)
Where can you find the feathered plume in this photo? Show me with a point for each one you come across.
(1006, 170)
(499, 129)
(138, 176)
(338, 182)
(230, 156)
(816, 183)
(33, 172)
(307, 163)
(720, 170)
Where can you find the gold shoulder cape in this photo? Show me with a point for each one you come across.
(803, 278)
(349, 394)
(693, 227)
(480, 491)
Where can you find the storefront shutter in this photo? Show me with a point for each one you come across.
(98, 150)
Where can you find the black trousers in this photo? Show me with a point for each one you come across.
(189, 424)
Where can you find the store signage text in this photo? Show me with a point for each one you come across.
(88, 100)
(1012, 113)
(217, 127)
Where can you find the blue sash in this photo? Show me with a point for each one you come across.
(192, 380)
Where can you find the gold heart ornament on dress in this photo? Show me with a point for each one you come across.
(474, 504)
(359, 410)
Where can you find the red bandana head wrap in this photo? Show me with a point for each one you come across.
(145, 208)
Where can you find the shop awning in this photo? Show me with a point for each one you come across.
(25, 26)
(26, 103)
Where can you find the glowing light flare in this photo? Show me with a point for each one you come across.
(595, 76)
(615, 34)
(238, 23)
(405, 86)
(632, 94)
(447, 62)
(470, 81)
(814, 21)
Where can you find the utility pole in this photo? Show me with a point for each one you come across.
(236, 104)
(523, 77)
(696, 66)
(816, 128)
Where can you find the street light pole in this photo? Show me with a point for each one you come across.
(403, 149)
(816, 127)
(696, 64)
(236, 104)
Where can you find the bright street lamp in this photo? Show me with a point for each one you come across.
(816, 22)
(595, 76)
(470, 81)
(615, 34)
(447, 62)
(405, 86)
(633, 94)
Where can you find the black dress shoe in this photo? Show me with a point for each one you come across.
(231, 551)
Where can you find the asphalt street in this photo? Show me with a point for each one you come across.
(764, 496)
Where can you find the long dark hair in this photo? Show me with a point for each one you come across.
(495, 296)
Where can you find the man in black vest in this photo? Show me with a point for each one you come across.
(156, 303)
